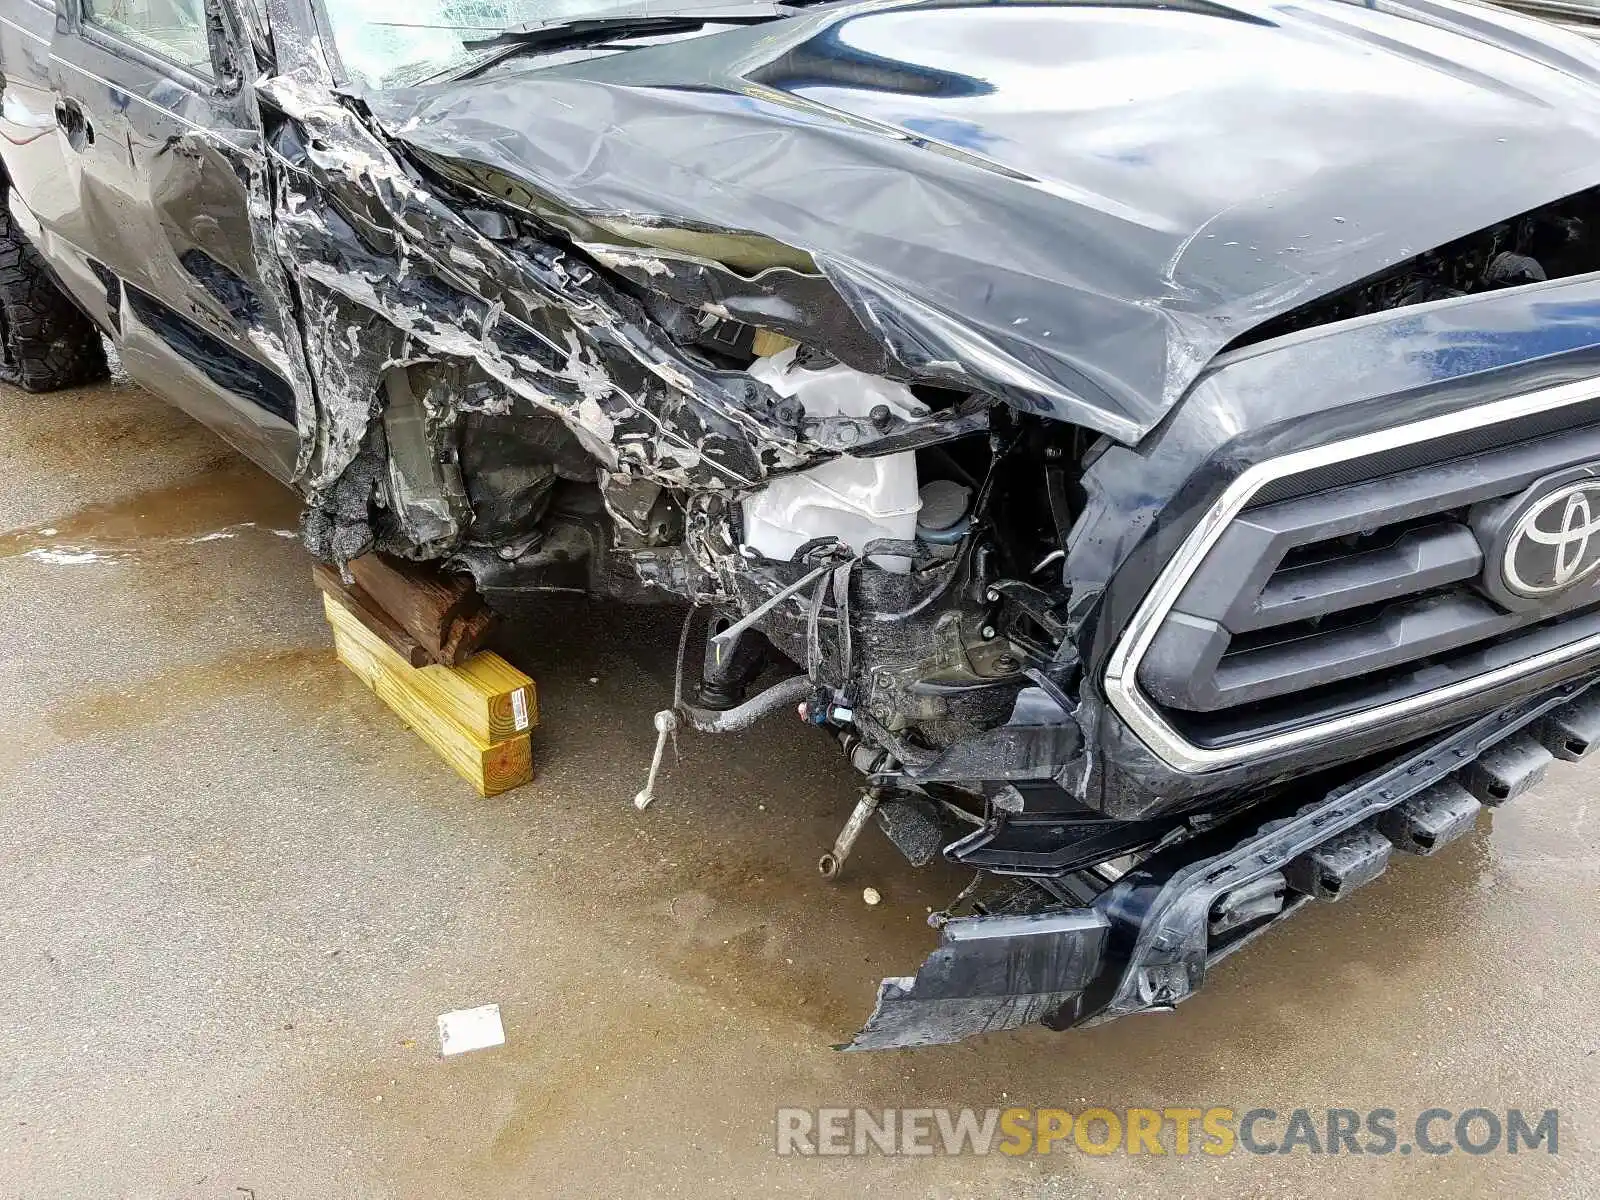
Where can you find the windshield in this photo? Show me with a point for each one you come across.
(385, 44)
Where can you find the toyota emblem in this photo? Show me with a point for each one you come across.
(1556, 542)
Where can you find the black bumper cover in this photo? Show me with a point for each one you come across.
(1146, 942)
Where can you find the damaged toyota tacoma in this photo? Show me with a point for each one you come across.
(1160, 441)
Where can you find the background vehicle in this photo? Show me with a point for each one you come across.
(1576, 16)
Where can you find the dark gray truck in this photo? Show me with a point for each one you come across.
(1160, 442)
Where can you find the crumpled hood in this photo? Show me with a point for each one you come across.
(1074, 206)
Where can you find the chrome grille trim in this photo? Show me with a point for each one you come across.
(1142, 716)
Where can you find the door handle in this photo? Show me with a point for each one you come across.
(70, 116)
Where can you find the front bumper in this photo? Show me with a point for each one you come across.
(1148, 940)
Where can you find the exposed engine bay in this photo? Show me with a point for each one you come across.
(914, 599)
(1551, 242)
(916, 594)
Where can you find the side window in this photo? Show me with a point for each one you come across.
(173, 29)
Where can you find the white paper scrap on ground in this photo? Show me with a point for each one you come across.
(471, 1029)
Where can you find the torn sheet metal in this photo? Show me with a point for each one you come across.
(1081, 248)
(370, 244)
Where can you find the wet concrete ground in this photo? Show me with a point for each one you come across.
(235, 893)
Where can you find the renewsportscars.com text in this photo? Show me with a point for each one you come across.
(1171, 1130)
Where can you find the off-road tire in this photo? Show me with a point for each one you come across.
(46, 343)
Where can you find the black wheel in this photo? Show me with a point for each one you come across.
(46, 342)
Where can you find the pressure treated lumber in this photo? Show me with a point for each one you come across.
(481, 695)
(456, 710)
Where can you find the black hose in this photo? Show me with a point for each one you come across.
(789, 692)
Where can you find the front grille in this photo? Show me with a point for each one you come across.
(1322, 603)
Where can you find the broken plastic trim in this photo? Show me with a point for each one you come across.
(1161, 911)
(990, 973)
(1145, 944)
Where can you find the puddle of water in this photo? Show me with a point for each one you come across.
(193, 687)
(229, 501)
(66, 556)
(61, 554)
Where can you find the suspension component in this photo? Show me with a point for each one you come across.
(831, 863)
